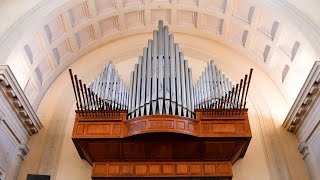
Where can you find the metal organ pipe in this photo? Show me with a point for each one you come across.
(178, 79)
(161, 83)
(149, 77)
(154, 91)
(172, 74)
(168, 78)
(167, 69)
(143, 80)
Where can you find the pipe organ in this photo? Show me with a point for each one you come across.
(110, 89)
(161, 98)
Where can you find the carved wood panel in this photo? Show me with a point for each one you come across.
(162, 145)
(162, 169)
(143, 149)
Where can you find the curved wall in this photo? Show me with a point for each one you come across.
(59, 34)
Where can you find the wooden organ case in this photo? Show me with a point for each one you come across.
(163, 125)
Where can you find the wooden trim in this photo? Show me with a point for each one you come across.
(178, 146)
(161, 169)
(118, 127)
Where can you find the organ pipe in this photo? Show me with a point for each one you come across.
(161, 83)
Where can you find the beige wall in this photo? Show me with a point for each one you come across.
(271, 152)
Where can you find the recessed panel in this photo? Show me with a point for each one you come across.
(160, 1)
(109, 25)
(289, 45)
(133, 150)
(62, 50)
(187, 150)
(216, 5)
(268, 25)
(105, 6)
(34, 48)
(261, 48)
(218, 150)
(186, 18)
(79, 13)
(188, 2)
(44, 69)
(132, 3)
(213, 24)
(243, 11)
(238, 34)
(55, 28)
(104, 151)
(84, 36)
(160, 14)
(159, 150)
(134, 19)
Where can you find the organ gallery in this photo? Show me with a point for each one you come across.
(162, 124)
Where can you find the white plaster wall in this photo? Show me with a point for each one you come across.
(12, 10)
(314, 146)
(7, 151)
(309, 8)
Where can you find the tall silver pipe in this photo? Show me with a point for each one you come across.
(130, 94)
(133, 101)
(143, 81)
(160, 67)
(138, 93)
(155, 65)
(167, 69)
(183, 84)
(191, 92)
(178, 79)
(149, 77)
(172, 73)
(188, 96)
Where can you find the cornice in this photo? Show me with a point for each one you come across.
(305, 100)
(18, 101)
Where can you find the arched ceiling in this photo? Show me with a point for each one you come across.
(59, 32)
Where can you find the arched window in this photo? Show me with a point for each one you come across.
(274, 29)
(295, 50)
(244, 37)
(266, 53)
(285, 72)
(29, 53)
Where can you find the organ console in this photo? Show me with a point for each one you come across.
(161, 125)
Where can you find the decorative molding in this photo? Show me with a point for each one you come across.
(304, 120)
(18, 101)
(310, 161)
(18, 122)
(304, 101)
(162, 169)
(303, 149)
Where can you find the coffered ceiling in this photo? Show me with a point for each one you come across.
(266, 37)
